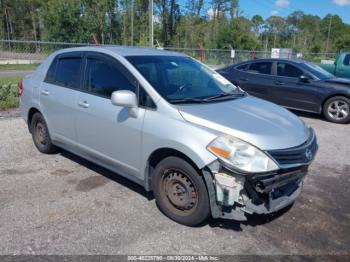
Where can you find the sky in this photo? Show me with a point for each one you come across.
(266, 8)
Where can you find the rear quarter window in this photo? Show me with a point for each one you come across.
(50, 76)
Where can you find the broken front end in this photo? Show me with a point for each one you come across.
(234, 193)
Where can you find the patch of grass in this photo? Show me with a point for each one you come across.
(9, 67)
(9, 92)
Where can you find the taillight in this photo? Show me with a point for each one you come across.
(20, 88)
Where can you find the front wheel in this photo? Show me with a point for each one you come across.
(337, 109)
(180, 192)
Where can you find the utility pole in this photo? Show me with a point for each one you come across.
(329, 33)
(151, 23)
(132, 23)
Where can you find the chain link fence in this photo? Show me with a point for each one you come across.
(220, 57)
(25, 52)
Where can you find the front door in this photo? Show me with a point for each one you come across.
(107, 132)
(291, 92)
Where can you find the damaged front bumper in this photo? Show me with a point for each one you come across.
(232, 195)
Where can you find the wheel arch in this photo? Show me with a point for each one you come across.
(31, 112)
(161, 153)
(333, 95)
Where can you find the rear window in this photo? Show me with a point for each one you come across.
(347, 60)
(68, 72)
(65, 72)
(242, 67)
(261, 68)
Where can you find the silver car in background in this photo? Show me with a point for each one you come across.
(162, 119)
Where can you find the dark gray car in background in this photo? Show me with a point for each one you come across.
(295, 84)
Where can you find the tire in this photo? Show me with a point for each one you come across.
(337, 109)
(180, 192)
(41, 135)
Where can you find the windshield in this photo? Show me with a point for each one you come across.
(182, 79)
(318, 71)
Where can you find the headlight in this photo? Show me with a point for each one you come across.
(241, 155)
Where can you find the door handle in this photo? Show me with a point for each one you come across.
(83, 104)
(244, 79)
(279, 83)
(45, 92)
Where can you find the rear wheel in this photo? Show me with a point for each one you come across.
(40, 134)
(180, 191)
(337, 109)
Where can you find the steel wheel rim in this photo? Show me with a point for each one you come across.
(338, 110)
(179, 192)
(40, 133)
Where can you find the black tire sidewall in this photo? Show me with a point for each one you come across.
(328, 102)
(202, 210)
(49, 147)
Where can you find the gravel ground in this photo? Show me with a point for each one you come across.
(62, 204)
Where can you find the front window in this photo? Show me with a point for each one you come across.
(288, 70)
(103, 78)
(183, 80)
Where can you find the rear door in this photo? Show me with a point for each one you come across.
(257, 79)
(58, 96)
(291, 92)
(106, 132)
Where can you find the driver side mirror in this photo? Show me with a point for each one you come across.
(126, 98)
(304, 78)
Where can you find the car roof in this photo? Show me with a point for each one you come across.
(123, 50)
(296, 61)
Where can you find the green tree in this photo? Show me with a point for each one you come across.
(257, 22)
(64, 21)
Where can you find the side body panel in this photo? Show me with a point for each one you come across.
(170, 130)
(256, 84)
(108, 133)
(58, 105)
(31, 89)
(292, 93)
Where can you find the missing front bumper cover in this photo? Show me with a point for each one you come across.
(260, 193)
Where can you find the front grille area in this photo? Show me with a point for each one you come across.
(267, 182)
(300, 155)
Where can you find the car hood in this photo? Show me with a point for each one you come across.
(261, 123)
(342, 81)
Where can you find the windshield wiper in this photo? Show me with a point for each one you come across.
(187, 100)
(223, 95)
(204, 99)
